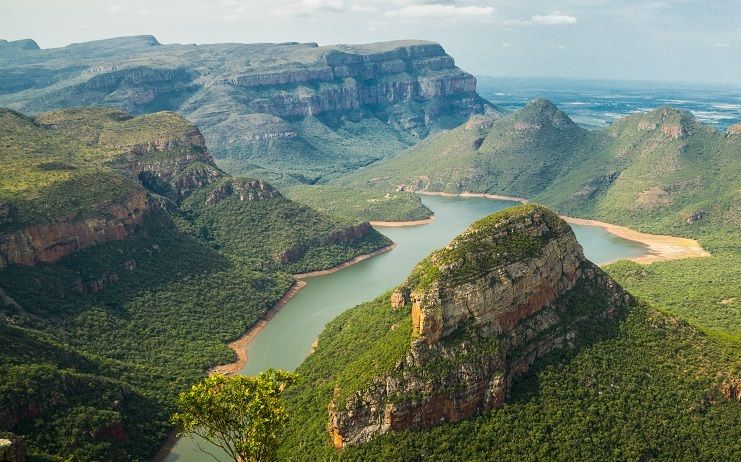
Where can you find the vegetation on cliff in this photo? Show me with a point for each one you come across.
(128, 260)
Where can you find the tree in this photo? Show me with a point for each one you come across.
(242, 415)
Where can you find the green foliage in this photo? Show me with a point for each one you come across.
(112, 333)
(361, 204)
(242, 415)
(633, 386)
(276, 232)
(704, 291)
(475, 252)
(652, 171)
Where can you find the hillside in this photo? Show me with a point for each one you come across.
(509, 344)
(659, 172)
(661, 169)
(288, 112)
(128, 261)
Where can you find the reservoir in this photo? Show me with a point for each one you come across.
(286, 340)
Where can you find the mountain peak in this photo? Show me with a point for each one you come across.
(541, 112)
(23, 44)
(672, 122)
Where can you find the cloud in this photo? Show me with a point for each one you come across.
(144, 12)
(439, 10)
(115, 9)
(554, 19)
(306, 7)
(720, 45)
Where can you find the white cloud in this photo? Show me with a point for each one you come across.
(306, 7)
(506, 45)
(115, 9)
(363, 9)
(720, 45)
(554, 19)
(232, 17)
(440, 10)
(144, 12)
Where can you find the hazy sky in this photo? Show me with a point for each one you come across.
(680, 40)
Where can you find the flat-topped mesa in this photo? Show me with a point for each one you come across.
(512, 288)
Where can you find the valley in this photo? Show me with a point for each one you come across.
(450, 280)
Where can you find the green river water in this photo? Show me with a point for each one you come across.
(286, 340)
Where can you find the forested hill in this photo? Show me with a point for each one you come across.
(291, 112)
(127, 261)
(661, 166)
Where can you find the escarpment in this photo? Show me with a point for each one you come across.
(512, 288)
(269, 108)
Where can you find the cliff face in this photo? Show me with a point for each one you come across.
(253, 101)
(483, 309)
(50, 242)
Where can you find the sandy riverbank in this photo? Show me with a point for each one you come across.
(345, 264)
(241, 343)
(470, 194)
(239, 346)
(660, 247)
(397, 224)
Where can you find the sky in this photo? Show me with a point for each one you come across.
(666, 40)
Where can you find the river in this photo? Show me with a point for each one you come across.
(286, 340)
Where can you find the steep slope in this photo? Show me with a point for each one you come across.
(290, 112)
(511, 327)
(124, 248)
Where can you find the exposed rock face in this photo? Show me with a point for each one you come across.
(342, 236)
(483, 310)
(731, 389)
(49, 242)
(734, 130)
(247, 96)
(246, 189)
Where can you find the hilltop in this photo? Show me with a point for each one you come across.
(288, 112)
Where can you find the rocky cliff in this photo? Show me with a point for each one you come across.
(50, 242)
(512, 288)
(271, 108)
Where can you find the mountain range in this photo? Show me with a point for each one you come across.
(288, 112)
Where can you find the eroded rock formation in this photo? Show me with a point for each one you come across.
(510, 289)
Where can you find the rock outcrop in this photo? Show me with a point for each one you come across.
(245, 97)
(245, 189)
(506, 292)
(734, 130)
(12, 450)
(50, 242)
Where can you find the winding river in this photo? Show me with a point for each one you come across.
(286, 340)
